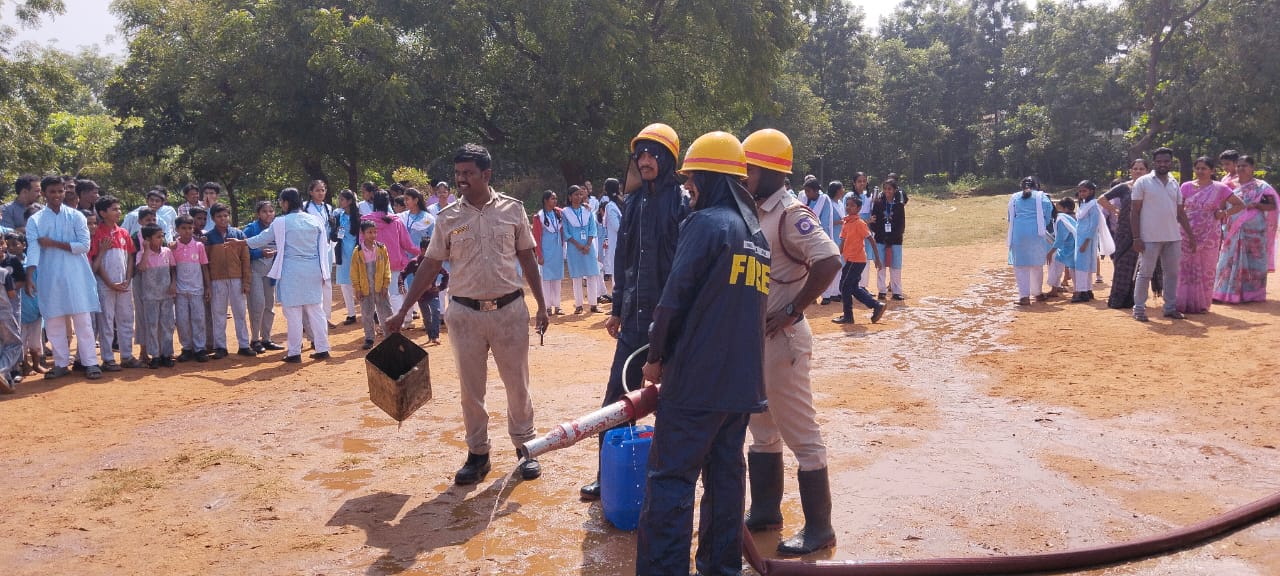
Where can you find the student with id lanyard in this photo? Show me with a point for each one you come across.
(580, 231)
(317, 206)
(888, 220)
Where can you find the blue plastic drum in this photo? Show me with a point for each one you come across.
(624, 460)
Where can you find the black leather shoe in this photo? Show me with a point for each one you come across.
(349, 321)
(257, 347)
(219, 353)
(590, 492)
(473, 471)
(530, 469)
(320, 356)
(246, 352)
(269, 345)
(296, 359)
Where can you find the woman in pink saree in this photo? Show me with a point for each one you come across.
(1248, 249)
(1206, 202)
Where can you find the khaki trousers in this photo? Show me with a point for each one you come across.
(504, 331)
(791, 418)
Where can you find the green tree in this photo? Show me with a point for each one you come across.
(914, 95)
(1157, 25)
(569, 82)
(1067, 106)
(833, 60)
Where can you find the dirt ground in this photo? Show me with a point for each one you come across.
(958, 426)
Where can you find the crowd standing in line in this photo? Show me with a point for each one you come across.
(1194, 244)
(85, 270)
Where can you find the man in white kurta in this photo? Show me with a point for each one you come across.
(58, 270)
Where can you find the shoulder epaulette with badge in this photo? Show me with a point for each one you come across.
(806, 222)
(511, 198)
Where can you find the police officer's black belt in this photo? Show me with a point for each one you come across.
(488, 305)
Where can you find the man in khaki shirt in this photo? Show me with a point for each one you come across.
(483, 235)
(805, 260)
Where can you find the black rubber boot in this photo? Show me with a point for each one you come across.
(590, 492)
(815, 499)
(765, 473)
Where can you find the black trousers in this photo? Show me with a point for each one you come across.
(849, 288)
(614, 390)
(688, 443)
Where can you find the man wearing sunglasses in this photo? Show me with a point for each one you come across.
(651, 216)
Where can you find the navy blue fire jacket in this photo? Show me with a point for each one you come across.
(710, 327)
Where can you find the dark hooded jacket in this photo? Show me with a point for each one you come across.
(651, 218)
(709, 325)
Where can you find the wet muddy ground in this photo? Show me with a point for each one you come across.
(958, 426)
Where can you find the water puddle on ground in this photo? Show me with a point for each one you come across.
(357, 446)
(344, 480)
(376, 422)
(977, 478)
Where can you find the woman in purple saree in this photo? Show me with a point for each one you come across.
(1207, 202)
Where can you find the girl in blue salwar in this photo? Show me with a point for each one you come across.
(1062, 255)
(580, 231)
(1092, 239)
(548, 230)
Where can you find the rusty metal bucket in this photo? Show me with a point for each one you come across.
(399, 379)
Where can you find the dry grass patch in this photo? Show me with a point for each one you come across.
(116, 485)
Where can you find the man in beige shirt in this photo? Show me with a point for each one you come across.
(483, 235)
(804, 262)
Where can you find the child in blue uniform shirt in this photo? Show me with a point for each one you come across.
(1062, 253)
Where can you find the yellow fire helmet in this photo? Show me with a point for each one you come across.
(770, 149)
(716, 152)
(662, 134)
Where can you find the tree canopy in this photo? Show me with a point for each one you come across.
(259, 94)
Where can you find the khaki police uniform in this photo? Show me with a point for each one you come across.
(797, 241)
(480, 244)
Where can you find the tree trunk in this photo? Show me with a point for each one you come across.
(1186, 165)
(353, 176)
(572, 172)
(314, 170)
(233, 202)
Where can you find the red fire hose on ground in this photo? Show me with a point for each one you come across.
(1032, 563)
(640, 403)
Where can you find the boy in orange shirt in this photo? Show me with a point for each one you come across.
(853, 233)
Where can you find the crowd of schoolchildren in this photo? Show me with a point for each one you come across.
(867, 223)
(74, 264)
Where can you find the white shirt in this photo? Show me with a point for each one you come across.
(320, 210)
(1160, 201)
(365, 207)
